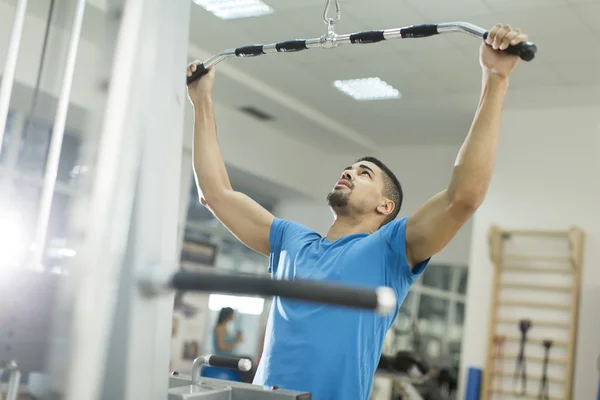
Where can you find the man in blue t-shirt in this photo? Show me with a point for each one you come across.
(330, 351)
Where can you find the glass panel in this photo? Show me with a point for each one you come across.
(18, 224)
(34, 100)
(405, 316)
(459, 316)
(197, 213)
(438, 276)
(432, 315)
(8, 133)
(33, 149)
(463, 280)
(69, 158)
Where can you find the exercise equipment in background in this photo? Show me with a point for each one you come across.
(195, 387)
(536, 272)
(524, 326)
(331, 39)
(414, 375)
(473, 389)
(499, 341)
(544, 389)
(14, 380)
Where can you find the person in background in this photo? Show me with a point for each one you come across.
(224, 342)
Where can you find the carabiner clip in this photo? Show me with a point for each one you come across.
(338, 13)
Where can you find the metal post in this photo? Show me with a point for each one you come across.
(12, 56)
(120, 340)
(58, 133)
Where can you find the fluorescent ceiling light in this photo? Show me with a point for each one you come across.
(244, 305)
(232, 9)
(367, 89)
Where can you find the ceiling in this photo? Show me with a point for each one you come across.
(439, 77)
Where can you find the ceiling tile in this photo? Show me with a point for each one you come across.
(437, 11)
(537, 23)
(439, 77)
(589, 13)
(534, 74)
(578, 73)
(514, 6)
(464, 80)
(280, 5)
(580, 48)
(383, 15)
(405, 74)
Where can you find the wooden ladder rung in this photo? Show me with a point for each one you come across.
(535, 323)
(548, 288)
(537, 378)
(537, 257)
(516, 393)
(540, 233)
(537, 341)
(553, 361)
(525, 268)
(534, 304)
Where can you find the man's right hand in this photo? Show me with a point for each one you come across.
(201, 88)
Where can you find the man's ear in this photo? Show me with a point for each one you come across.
(386, 207)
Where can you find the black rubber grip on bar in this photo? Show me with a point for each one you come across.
(250, 51)
(223, 362)
(526, 51)
(419, 31)
(304, 290)
(366, 37)
(290, 46)
(199, 73)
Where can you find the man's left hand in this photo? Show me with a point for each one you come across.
(495, 61)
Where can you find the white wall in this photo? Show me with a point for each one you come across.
(546, 177)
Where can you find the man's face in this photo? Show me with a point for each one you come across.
(359, 190)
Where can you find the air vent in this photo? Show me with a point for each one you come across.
(256, 113)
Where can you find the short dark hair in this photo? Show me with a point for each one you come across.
(392, 188)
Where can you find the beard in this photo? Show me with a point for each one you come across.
(338, 201)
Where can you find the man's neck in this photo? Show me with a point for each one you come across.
(344, 226)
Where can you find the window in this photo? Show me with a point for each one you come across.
(22, 180)
(33, 149)
(436, 303)
(8, 133)
(438, 276)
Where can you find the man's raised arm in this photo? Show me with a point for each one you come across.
(432, 227)
(244, 217)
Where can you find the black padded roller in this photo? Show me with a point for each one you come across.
(290, 46)
(250, 51)
(380, 299)
(419, 31)
(367, 37)
(240, 364)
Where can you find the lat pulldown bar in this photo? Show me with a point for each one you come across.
(526, 51)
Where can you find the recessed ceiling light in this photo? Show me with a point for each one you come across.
(367, 89)
(233, 9)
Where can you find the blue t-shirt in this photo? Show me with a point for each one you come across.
(331, 351)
